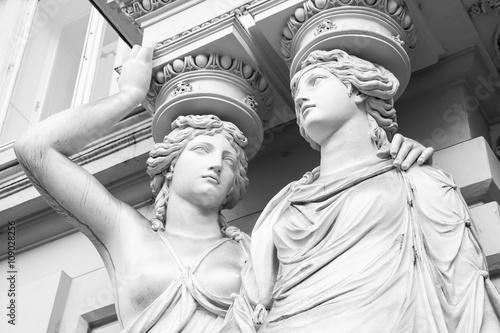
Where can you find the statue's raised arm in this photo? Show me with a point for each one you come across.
(44, 154)
(168, 277)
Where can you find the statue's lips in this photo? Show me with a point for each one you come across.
(305, 109)
(305, 112)
(212, 178)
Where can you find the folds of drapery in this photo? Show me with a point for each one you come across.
(185, 306)
(176, 310)
(377, 250)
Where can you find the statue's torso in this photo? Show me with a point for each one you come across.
(152, 269)
(399, 255)
(340, 248)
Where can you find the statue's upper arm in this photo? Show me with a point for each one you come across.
(79, 196)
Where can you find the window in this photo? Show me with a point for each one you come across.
(68, 60)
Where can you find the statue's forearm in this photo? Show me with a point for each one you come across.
(67, 132)
(71, 130)
(71, 190)
(68, 188)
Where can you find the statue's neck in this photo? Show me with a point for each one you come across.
(346, 150)
(187, 219)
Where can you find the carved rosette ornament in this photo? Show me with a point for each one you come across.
(210, 84)
(181, 88)
(250, 101)
(325, 26)
(381, 31)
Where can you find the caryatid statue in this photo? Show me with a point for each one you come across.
(358, 245)
(177, 271)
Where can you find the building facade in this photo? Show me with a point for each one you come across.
(62, 53)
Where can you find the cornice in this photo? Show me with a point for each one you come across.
(264, 5)
(45, 225)
(125, 137)
(204, 28)
(138, 8)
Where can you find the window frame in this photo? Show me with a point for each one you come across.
(20, 28)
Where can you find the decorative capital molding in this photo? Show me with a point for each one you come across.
(395, 9)
(213, 62)
(485, 7)
(211, 84)
(381, 31)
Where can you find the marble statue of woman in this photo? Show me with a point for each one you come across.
(173, 277)
(178, 271)
(357, 245)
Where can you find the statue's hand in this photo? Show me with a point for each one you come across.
(135, 76)
(405, 151)
(233, 232)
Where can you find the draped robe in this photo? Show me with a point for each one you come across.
(374, 250)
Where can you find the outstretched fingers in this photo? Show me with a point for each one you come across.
(145, 53)
(135, 77)
(135, 50)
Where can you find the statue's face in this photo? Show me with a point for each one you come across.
(324, 103)
(205, 171)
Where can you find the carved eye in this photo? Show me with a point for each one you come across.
(317, 79)
(200, 149)
(229, 160)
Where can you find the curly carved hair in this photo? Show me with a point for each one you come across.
(374, 81)
(164, 155)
